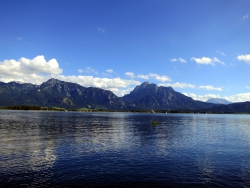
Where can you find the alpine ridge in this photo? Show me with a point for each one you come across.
(56, 93)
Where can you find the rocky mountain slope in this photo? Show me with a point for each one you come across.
(152, 96)
(56, 93)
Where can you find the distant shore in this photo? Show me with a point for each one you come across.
(26, 107)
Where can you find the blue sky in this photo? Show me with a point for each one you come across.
(199, 47)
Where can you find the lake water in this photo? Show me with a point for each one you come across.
(67, 149)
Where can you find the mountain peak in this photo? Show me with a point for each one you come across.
(218, 101)
(145, 85)
(53, 82)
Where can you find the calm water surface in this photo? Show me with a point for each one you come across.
(59, 149)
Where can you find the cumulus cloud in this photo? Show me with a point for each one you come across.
(35, 70)
(207, 60)
(221, 53)
(162, 78)
(180, 60)
(241, 97)
(245, 58)
(117, 85)
(27, 67)
(209, 87)
(245, 17)
(38, 70)
(130, 74)
(105, 83)
(121, 92)
(146, 77)
(178, 85)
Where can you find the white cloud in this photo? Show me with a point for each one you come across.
(130, 74)
(146, 77)
(241, 97)
(109, 71)
(209, 87)
(178, 85)
(204, 60)
(221, 53)
(105, 83)
(207, 60)
(101, 30)
(201, 97)
(38, 70)
(180, 60)
(26, 67)
(121, 92)
(80, 70)
(113, 84)
(245, 17)
(162, 78)
(245, 58)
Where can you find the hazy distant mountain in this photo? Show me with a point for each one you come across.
(218, 101)
(150, 96)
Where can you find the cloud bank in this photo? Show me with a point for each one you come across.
(38, 70)
(28, 70)
(203, 98)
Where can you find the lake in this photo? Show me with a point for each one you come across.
(73, 149)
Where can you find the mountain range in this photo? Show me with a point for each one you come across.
(56, 93)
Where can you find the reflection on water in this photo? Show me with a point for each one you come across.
(58, 149)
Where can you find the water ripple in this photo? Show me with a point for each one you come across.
(57, 149)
